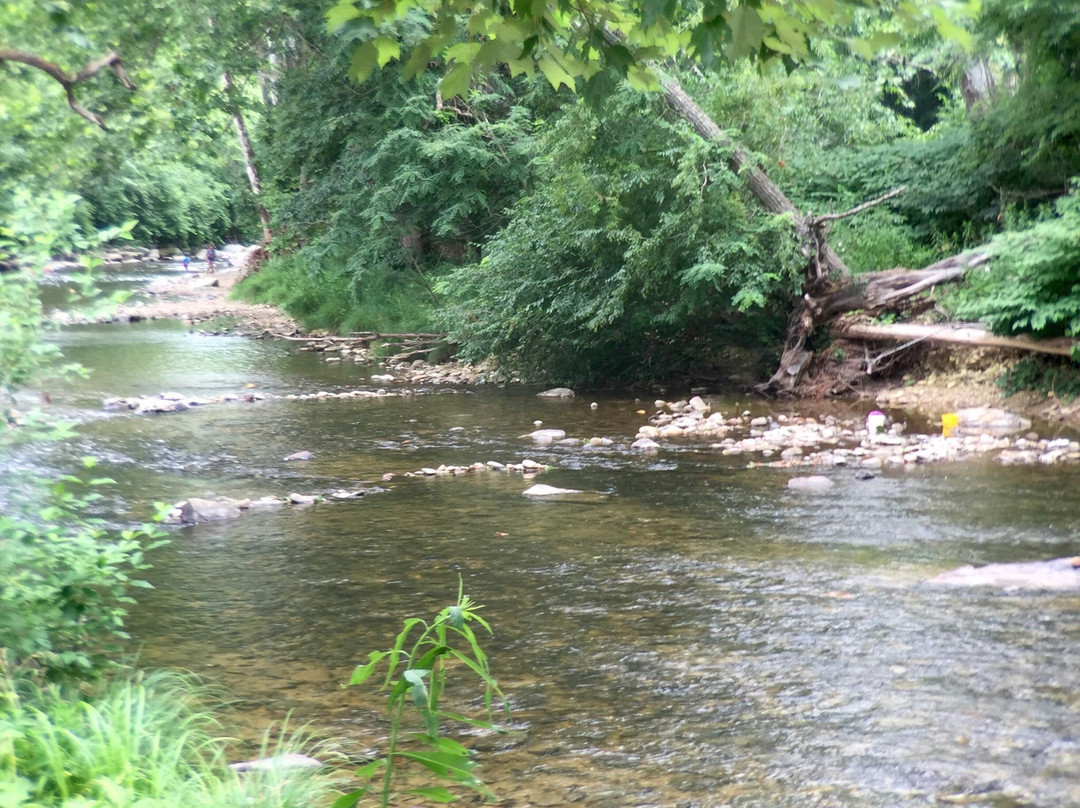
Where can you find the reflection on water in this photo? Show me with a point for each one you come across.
(698, 636)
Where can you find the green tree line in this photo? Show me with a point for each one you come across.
(510, 177)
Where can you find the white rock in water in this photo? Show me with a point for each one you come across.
(645, 445)
(157, 405)
(532, 465)
(267, 502)
(557, 392)
(289, 761)
(547, 435)
(699, 404)
(382, 377)
(815, 482)
(1057, 574)
(301, 499)
(541, 490)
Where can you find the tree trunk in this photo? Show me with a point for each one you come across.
(876, 290)
(977, 85)
(822, 257)
(249, 156)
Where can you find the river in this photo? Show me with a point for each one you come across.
(696, 636)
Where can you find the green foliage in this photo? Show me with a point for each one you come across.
(1046, 375)
(1031, 136)
(143, 740)
(321, 297)
(636, 256)
(567, 45)
(66, 580)
(373, 205)
(172, 203)
(416, 676)
(35, 228)
(1033, 284)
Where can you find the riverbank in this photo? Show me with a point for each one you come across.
(943, 380)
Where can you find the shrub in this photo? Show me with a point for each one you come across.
(636, 255)
(1033, 284)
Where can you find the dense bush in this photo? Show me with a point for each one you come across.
(1033, 283)
(390, 190)
(171, 203)
(636, 256)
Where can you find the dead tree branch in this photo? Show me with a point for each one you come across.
(832, 217)
(68, 80)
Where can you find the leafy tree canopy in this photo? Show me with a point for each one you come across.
(589, 44)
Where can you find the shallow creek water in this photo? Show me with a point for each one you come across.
(697, 636)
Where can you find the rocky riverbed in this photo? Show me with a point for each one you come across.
(792, 441)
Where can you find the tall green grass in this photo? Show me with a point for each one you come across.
(334, 299)
(145, 741)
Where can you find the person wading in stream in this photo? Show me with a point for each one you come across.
(210, 255)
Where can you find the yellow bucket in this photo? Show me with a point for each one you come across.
(949, 422)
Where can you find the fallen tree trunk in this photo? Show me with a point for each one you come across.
(951, 334)
(876, 290)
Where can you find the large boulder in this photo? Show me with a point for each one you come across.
(195, 511)
(1058, 574)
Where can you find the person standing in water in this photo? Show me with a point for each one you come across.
(187, 262)
(210, 255)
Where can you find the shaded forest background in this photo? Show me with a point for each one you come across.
(585, 238)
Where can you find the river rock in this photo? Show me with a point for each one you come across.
(557, 392)
(267, 502)
(150, 406)
(303, 455)
(988, 421)
(531, 465)
(541, 490)
(301, 499)
(1057, 574)
(645, 445)
(195, 511)
(698, 404)
(276, 763)
(547, 435)
(814, 482)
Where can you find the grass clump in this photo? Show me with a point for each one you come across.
(325, 298)
(143, 740)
